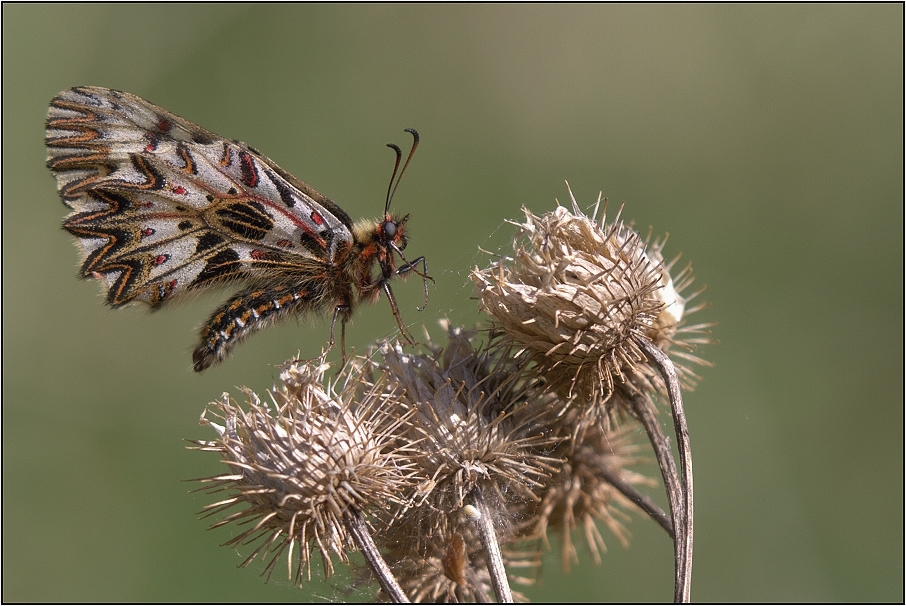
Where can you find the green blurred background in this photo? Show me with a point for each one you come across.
(768, 140)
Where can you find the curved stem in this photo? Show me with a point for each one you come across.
(644, 409)
(683, 540)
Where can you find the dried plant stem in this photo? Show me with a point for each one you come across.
(362, 537)
(492, 547)
(644, 502)
(680, 496)
(645, 410)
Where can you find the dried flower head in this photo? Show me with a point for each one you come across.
(476, 420)
(578, 294)
(583, 492)
(481, 432)
(304, 465)
(453, 568)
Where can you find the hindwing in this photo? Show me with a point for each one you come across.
(162, 206)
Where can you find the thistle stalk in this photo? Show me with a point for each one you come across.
(363, 540)
(681, 497)
(482, 518)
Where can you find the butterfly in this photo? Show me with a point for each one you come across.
(163, 207)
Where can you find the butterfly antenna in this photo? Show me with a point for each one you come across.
(399, 156)
(391, 189)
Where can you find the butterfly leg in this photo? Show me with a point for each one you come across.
(342, 312)
(412, 266)
(243, 314)
(385, 285)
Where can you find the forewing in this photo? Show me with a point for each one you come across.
(162, 206)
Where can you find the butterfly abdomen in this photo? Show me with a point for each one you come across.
(252, 310)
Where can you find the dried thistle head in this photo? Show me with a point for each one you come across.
(477, 425)
(453, 567)
(475, 417)
(302, 464)
(577, 295)
(582, 493)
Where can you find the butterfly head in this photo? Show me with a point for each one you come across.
(392, 232)
(382, 241)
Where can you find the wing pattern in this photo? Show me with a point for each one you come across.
(162, 206)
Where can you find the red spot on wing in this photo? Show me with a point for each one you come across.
(179, 189)
(163, 125)
(161, 259)
(147, 232)
(259, 254)
(285, 243)
(317, 218)
(153, 141)
(249, 170)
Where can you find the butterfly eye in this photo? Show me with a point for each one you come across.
(390, 229)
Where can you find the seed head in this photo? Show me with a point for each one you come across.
(581, 494)
(303, 463)
(453, 569)
(475, 419)
(476, 425)
(577, 295)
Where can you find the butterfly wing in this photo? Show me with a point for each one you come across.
(162, 206)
